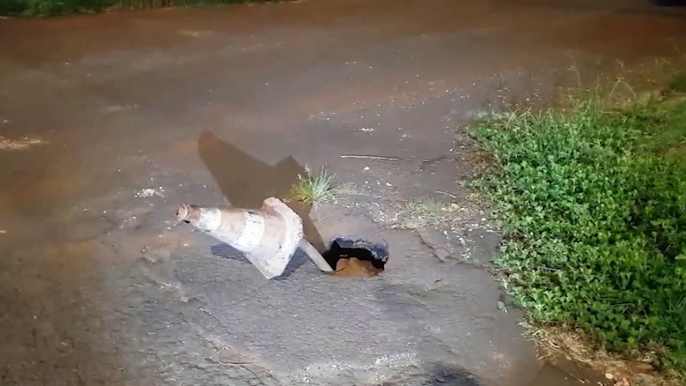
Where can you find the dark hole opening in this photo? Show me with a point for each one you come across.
(376, 254)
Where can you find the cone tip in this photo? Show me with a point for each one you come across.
(183, 212)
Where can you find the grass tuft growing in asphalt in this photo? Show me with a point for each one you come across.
(62, 7)
(314, 188)
(592, 201)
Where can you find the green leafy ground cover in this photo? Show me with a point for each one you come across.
(593, 205)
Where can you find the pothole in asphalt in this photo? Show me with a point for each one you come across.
(356, 258)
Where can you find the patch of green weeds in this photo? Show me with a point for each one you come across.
(314, 188)
(593, 206)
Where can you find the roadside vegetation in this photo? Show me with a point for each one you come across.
(62, 7)
(592, 201)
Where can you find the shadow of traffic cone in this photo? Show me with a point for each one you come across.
(268, 237)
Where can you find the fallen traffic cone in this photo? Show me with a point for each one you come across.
(268, 237)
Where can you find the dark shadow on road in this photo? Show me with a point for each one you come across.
(247, 182)
(436, 375)
(447, 375)
(227, 252)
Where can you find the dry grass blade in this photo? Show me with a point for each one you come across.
(424, 213)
